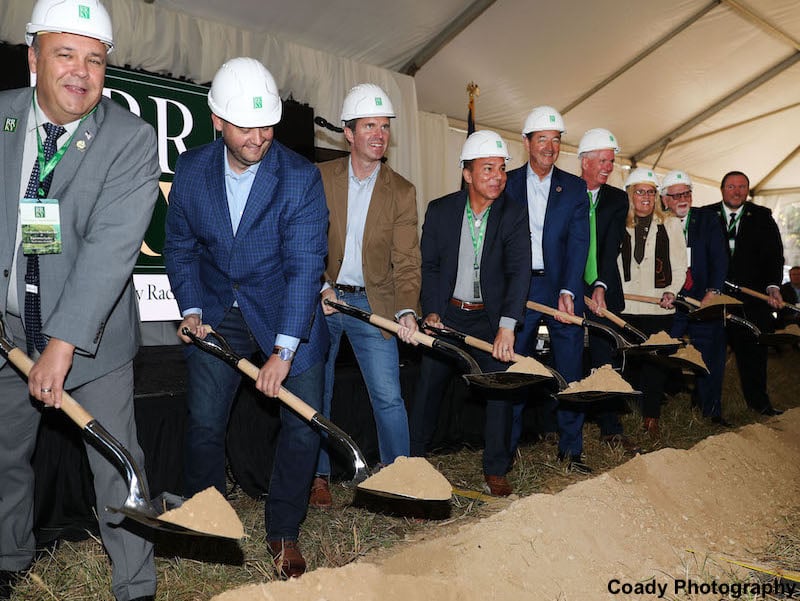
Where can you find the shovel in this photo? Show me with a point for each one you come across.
(498, 380)
(521, 363)
(621, 344)
(138, 505)
(216, 345)
(756, 294)
(619, 322)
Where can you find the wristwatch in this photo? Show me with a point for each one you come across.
(713, 290)
(285, 354)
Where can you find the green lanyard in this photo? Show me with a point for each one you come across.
(477, 241)
(46, 169)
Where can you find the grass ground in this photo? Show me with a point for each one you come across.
(192, 569)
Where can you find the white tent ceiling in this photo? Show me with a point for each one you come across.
(577, 56)
(703, 85)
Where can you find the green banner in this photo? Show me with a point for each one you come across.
(180, 115)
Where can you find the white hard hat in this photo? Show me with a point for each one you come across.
(640, 175)
(543, 118)
(366, 100)
(482, 144)
(675, 177)
(244, 93)
(598, 139)
(81, 17)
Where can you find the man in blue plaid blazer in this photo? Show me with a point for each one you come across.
(245, 250)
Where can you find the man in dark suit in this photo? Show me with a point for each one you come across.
(373, 264)
(84, 333)
(708, 265)
(245, 251)
(756, 261)
(475, 258)
(608, 207)
(558, 216)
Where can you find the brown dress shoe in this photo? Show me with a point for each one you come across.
(320, 494)
(497, 486)
(289, 562)
(651, 427)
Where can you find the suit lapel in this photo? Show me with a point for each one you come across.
(216, 194)
(261, 194)
(493, 225)
(338, 203)
(80, 143)
(377, 204)
(13, 147)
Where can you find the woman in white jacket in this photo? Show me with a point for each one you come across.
(653, 263)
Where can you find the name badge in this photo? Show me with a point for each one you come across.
(41, 226)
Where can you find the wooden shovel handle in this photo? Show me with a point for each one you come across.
(394, 327)
(764, 297)
(483, 345)
(299, 405)
(70, 406)
(612, 317)
(578, 321)
(653, 300)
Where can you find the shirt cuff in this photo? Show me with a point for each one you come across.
(508, 323)
(286, 341)
(773, 286)
(194, 310)
(565, 291)
(402, 312)
(599, 283)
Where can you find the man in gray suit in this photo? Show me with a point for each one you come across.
(90, 169)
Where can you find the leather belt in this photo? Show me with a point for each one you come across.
(349, 288)
(466, 305)
(537, 273)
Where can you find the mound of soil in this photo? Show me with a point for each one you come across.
(726, 496)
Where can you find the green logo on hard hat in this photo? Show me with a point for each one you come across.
(611, 138)
(650, 173)
(378, 101)
(83, 12)
(678, 176)
(257, 102)
(552, 118)
(499, 143)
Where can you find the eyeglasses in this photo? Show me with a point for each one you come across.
(687, 194)
(649, 192)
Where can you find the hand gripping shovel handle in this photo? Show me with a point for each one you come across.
(619, 342)
(222, 350)
(761, 295)
(619, 322)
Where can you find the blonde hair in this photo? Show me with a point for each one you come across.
(658, 209)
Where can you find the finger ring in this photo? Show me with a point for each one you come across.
(46, 390)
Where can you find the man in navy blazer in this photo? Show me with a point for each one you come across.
(558, 216)
(756, 261)
(245, 252)
(475, 256)
(708, 266)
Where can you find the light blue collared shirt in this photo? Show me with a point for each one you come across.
(538, 191)
(359, 194)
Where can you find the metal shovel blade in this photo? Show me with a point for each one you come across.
(216, 345)
(138, 505)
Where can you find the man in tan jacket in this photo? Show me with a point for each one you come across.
(373, 264)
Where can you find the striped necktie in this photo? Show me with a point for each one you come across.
(36, 189)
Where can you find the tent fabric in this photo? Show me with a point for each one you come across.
(706, 86)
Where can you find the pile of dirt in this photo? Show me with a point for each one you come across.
(412, 477)
(602, 379)
(636, 523)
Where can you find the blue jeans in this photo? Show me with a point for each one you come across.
(379, 362)
(211, 390)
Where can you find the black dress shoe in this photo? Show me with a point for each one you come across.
(8, 580)
(145, 598)
(720, 421)
(574, 463)
(770, 411)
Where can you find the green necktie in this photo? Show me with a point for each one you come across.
(590, 273)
